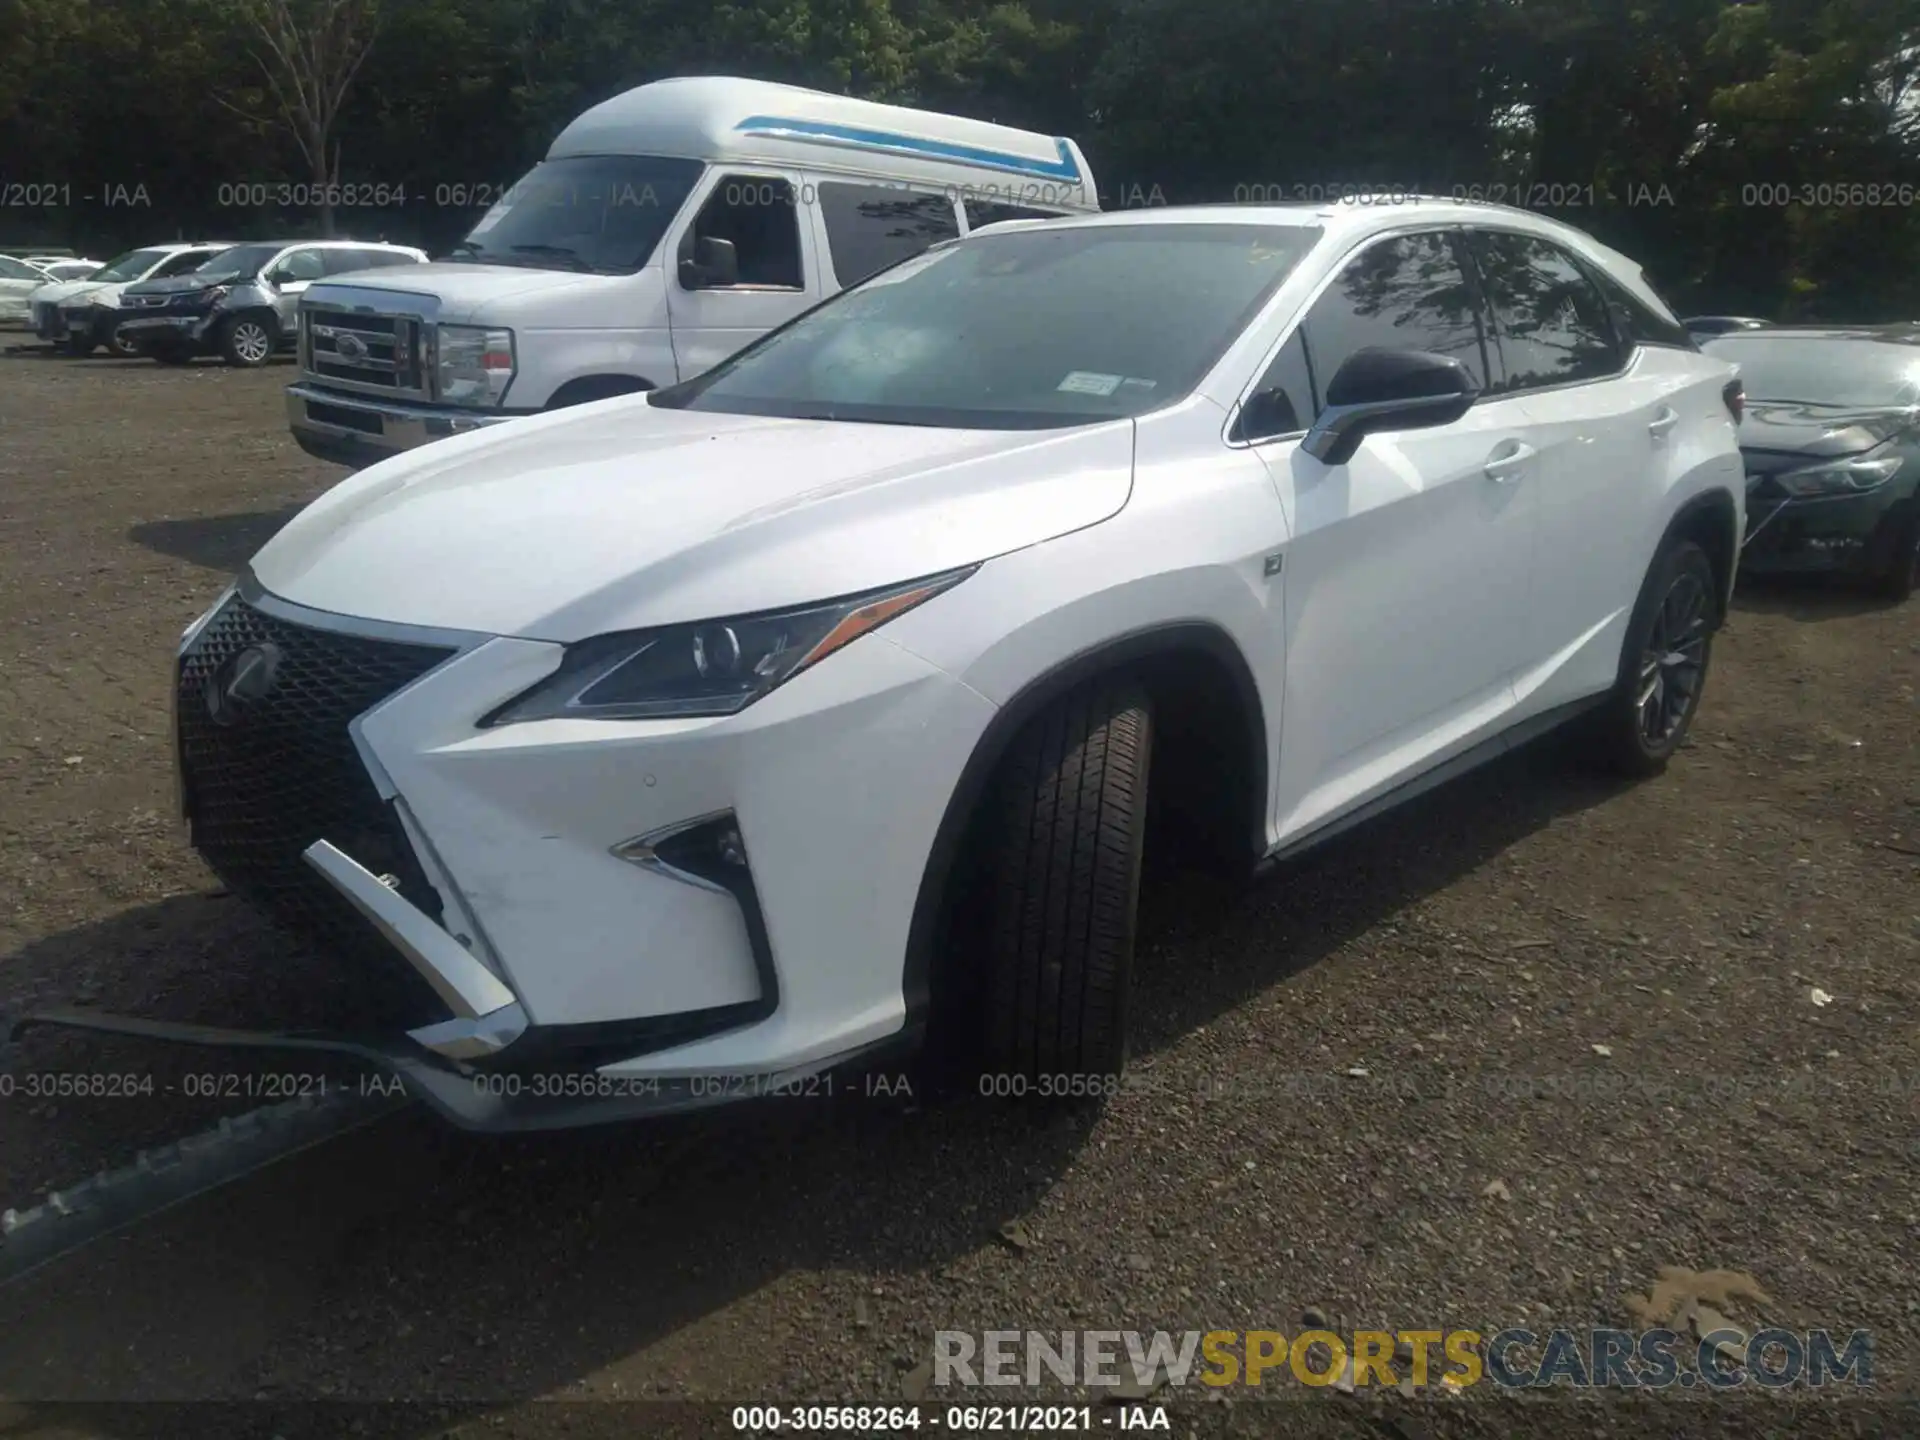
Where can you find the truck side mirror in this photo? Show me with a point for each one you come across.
(714, 264)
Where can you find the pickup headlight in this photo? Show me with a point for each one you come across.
(1840, 477)
(475, 364)
(715, 668)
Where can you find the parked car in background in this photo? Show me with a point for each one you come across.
(1831, 443)
(665, 229)
(813, 705)
(18, 280)
(1704, 327)
(59, 269)
(239, 305)
(82, 315)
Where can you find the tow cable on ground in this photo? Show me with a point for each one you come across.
(168, 1175)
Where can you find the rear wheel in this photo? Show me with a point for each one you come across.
(246, 341)
(1663, 669)
(1065, 829)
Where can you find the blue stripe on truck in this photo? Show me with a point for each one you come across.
(1065, 169)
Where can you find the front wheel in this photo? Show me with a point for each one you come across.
(118, 344)
(1065, 830)
(246, 342)
(1663, 669)
(1902, 576)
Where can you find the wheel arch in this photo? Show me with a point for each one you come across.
(1711, 519)
(584, 389)
(1162, 657)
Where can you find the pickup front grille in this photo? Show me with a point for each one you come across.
(375, 354)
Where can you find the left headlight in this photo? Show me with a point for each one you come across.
(1840, 477)
(475, 364)
(717, 667)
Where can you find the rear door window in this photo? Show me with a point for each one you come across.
(870, 227)
(1550, 325)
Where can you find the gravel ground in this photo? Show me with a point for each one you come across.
(1490, 1062)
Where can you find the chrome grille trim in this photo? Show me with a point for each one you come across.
(368, 352)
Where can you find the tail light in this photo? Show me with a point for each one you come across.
(1735, 394)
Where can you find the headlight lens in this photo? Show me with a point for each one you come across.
(714, 668)
(475, 364)
(1842, 477)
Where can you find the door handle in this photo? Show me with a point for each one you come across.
(1662, 423)
(1505, 469)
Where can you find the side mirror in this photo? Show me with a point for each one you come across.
(714, 264)
(1380, 390)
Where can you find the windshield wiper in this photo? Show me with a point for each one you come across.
(558, 252)
(466, 245)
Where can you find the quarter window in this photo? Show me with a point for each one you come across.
(870, 227)
(760, 215)
(1407, 292)
(1286, 409)
(1636, 321)
(1550, 324)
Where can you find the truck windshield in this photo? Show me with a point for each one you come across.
(1029, 329)
(603, 214)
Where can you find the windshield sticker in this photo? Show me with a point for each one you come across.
(1087, 382)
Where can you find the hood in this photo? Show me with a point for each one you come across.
(499, 294)
(1798, 432)
(58, 290)
(177, 285)
(618, 515)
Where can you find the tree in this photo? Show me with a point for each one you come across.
(309, 52)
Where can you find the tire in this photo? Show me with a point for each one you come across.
(1651, 708)
(247, 342)
(119, 346)
(1065, 830)
(1902, 574)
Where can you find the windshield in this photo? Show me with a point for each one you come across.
(130, 266)
(12, 269)
(603, 214)
(240, 261)
(1029, 329)
(1863, 374)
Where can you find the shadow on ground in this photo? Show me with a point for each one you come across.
(216, 542)
(408, 1260)
(1810, 599)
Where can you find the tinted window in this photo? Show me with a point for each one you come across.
(1637, 322)
(1549, 323)
(758, 214)
(1292, 380)
(1030, 329)
(179, 264)
(870, 227)
(599, 213)
(300, 265)
(1817, 370)
(1408, 292)
(982, 212)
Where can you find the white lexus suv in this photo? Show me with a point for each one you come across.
(687, 745)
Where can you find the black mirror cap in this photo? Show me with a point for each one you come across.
(1378, 375)
(712, 264)
(1379, 390)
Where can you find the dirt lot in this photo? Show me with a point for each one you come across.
(1601, 998)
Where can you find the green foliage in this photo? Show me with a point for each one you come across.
(1729, 146)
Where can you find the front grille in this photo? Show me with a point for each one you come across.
(144, 302)
(283, 772)
(376, 353)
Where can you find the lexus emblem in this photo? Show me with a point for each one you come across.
(350, 346)
(241, 680)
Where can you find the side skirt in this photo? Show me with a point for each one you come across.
(1492, 748)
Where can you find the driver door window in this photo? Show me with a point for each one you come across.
(760, 216)
(1407, 292)
(181, 264)
(297, 267)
